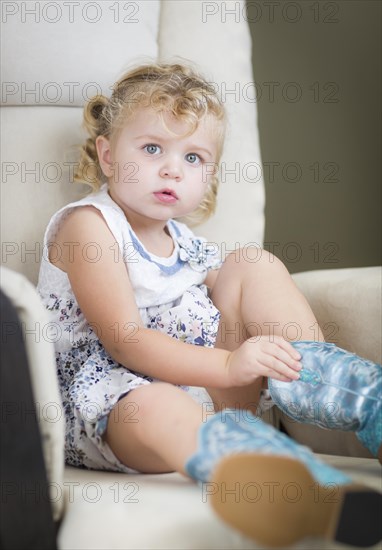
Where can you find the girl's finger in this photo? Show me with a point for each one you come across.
(282, 355)
(285, 358)
(287, 346)
(279, 367)
(281, 378)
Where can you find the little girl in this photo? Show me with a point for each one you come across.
(148, 310)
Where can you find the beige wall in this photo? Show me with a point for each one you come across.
(320, 132)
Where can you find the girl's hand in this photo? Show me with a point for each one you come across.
(261, 357)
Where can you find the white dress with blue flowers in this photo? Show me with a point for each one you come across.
(171, 298)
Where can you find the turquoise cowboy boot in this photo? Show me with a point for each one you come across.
(336, 390)
(276, 491)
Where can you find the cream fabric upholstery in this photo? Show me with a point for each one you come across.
(30, 198)
(67, 52)
(164, 512)
(347, 305)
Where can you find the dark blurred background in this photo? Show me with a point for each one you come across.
(317, 68)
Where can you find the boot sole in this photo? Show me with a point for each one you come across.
(276, 501)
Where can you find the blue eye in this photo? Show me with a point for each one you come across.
(152, 149)
(193, 158)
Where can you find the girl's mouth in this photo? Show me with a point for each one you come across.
(166, 196)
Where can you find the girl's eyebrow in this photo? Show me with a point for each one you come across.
(149, 136)
(199, 148)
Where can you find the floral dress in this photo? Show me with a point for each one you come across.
(171, 298)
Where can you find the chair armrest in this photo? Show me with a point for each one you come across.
(348, 305)
(36, 328)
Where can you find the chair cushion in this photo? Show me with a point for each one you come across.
(166, 511)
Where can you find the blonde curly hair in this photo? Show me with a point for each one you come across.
(173, 88)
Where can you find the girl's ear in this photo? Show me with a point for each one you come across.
(104, 155)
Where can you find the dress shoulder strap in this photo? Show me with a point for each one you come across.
(112, 213)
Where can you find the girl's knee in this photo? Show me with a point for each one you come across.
(153, 399)
(150, 394)
(253, 257)
(140, 408)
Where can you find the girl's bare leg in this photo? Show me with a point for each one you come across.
(257, 297)
(153, 429)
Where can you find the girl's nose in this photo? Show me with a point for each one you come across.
(171, 169)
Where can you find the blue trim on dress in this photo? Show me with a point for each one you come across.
(168, 269)
(176, 228)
